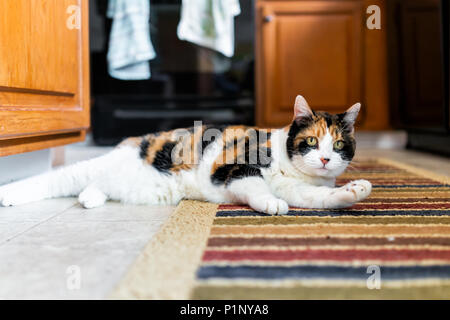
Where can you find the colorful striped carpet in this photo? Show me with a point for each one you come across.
(394, 245)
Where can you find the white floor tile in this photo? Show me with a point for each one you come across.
(9, 230)
(36, 211)
(115, 211)
(35, 265)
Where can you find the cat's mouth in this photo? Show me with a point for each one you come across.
(323, 170)
(323, 167)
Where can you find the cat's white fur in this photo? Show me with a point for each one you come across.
(122, 175)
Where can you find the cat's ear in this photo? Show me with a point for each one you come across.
(351, 114)
(301, 108)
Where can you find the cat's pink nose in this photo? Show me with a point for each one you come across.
(325, 160)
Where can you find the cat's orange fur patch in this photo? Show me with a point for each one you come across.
(318, 129)
(335, 132)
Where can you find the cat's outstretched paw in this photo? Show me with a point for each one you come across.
(269, 204)
(351, 193)
(91, 197)
(16, 194)
(10, 198)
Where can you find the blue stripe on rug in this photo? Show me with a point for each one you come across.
(339, 212)
(326, 272)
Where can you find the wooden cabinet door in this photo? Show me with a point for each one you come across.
(44, 73)
(312, 48)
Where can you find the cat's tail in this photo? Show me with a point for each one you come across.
(64, 182)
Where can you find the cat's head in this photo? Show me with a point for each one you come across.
(319, 143)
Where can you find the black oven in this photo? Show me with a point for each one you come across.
(188, 82)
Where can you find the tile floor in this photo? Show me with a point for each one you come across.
(45, 246)
(41, 243)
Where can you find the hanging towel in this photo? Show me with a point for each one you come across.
(130, 46)
(209, 23)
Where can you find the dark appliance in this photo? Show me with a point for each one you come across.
(418, 47)
(188, 82)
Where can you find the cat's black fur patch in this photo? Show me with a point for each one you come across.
(303, 148)
(143, 147)
(329, 119)
(296, 127)
(206, 143)
(348, 151)
(229, 172)
(163, 158)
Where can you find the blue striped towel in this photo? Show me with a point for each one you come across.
(130, 46)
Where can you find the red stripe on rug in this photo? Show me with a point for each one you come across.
(336, 255)
(320, 241)
(406, 200)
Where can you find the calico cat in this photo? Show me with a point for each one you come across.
(268, 169)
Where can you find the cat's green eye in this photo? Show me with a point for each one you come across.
(338, 145)
(311, 141)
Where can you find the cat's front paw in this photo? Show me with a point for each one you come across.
(92, 197)
(269, 204)
(352, 192)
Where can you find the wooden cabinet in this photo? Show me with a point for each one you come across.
(44, 74)
(321, 50)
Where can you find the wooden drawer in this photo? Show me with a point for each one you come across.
(44, 74)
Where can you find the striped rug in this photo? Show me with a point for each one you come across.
(394, 245)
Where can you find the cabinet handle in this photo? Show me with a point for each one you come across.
(268, 18)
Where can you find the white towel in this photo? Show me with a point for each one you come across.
(130, 46)
(209, 23)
